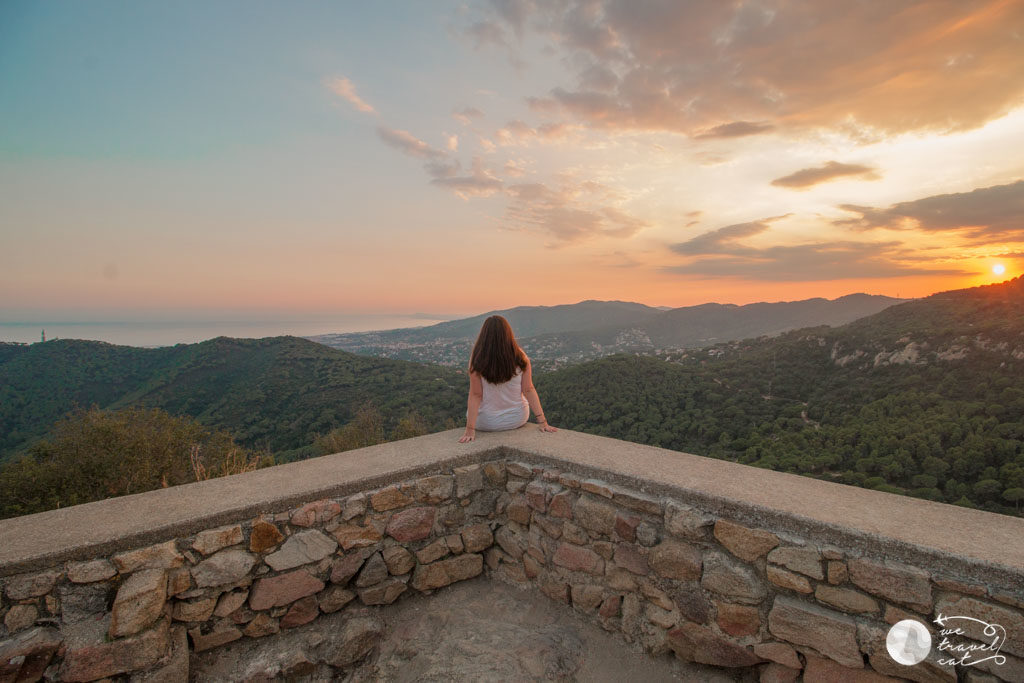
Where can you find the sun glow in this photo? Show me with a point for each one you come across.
(999, 269)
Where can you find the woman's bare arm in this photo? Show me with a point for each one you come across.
(530, 392)
(476, 395)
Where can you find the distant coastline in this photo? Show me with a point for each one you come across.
(151, 333)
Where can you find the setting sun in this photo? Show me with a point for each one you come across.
(999, 269)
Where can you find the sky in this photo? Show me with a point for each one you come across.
(230, 158)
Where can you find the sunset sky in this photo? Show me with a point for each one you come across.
(187, 158)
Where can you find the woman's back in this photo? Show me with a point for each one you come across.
(503, 405)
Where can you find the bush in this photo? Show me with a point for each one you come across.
(96, 454)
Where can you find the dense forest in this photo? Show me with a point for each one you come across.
(923, 398)
(276, 394)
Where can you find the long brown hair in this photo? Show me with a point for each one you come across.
(496, 354)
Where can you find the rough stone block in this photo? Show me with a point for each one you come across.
(20, 617)
(676, 560)
(434, 489)
(302, 548)
(633, 500)
(781, 653)
(412, 524)
(89, 572)
(845, 599)
(738, 620)
(561, 505)
(801, 559)
(631, 558)
(494, 473)
(225, 567)
(374, 571)
(139, 602)
(625, 527)
(696, 643)
(301, 612)
(899, 583)
(597, 487)
(390, 498)
(315, 513)
(26, 586)
(595, 515)
(159, 556)
(262, 625)
(743, 542)
(355, 536)
(283, 589)
(579, 559)
(432, 551)
(789, 580)
(398, 559)
(353, 506)
(194, 610)
(477, 537)
(823, 670)
(468, 479)
(345, 567)
(687, 522)
(334, 598)
(383, 593)
(265, 535)
(89, 657)
(830, 633)
(210, 541)
(518, 510)
(724, 576)
(448, 571)
(230, 602)
(837, 573)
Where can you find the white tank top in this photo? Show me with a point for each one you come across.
(503, 405)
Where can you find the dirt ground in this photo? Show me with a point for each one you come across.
(479, 630)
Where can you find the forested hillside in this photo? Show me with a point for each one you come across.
(924, 398)
(275, 394)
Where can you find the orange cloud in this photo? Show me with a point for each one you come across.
(707, 67)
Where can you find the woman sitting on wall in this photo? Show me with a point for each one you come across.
(501, 392)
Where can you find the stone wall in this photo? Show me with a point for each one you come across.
(669, 572)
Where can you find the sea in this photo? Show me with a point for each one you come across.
(153, 334)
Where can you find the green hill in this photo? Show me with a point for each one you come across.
(275, 394)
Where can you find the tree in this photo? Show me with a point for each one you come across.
(366, 429)
(1014, 495)
(96, 454)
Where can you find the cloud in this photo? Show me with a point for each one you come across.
(721, 253)
(517, 132)
(809, 177)
(571, 213)
(344, 88)
(736, 129)
(408, 143)
(986, 213)
(479, 183)
(723, 240)
(705, 67)
(466, 116)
